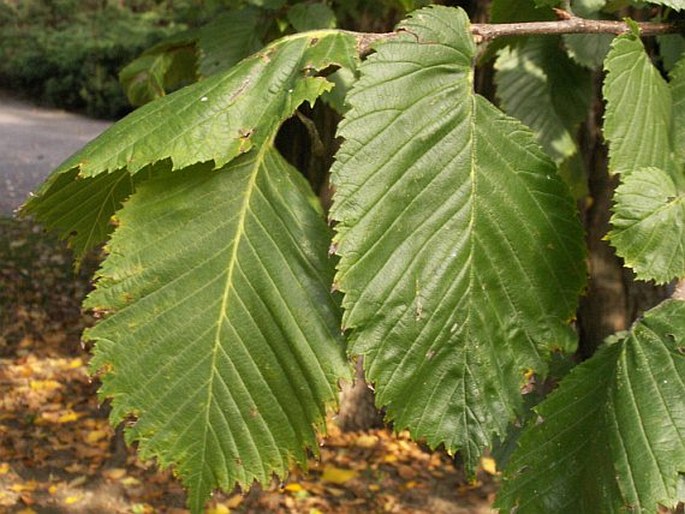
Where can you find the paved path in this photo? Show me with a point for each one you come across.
(33, 142)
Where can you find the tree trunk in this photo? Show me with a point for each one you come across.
(614, 299)
(357, 408)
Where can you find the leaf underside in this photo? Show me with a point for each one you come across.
(222, 338)
(162, 68)
(588, 49)
(674, 4)
(529, 77)
(671, 49)
(226, 40)
(461, 254)
(611, 438)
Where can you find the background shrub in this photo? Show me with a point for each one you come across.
(68, 53)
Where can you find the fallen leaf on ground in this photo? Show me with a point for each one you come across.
(338, 475)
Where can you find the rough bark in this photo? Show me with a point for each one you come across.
(357, 409)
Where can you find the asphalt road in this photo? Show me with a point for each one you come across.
(33, 142)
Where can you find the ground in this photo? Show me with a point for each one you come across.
(58, 453)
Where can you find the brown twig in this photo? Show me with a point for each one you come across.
(566, 24)
(569, 24)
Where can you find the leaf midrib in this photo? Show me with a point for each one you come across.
(231, 266)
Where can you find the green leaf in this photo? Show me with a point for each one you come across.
(161, 69)
(184, 58)
(588, 50)
(638, 112)
(268, 4)
(410, 5)
(305, 17)
(81, 210)
(461, 253)
(671, 48)
(344, 79)
(228, 39)
(530, 78)
(506, 11)
(678, 93)
(211, 122)
(649, 225)
(645, 123)
(222, 338)
(221, 117)
(575, 175)
(611, 438)
(587, 8)
(548, 3)
(676, 5)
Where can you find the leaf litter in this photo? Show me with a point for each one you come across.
(58, 452)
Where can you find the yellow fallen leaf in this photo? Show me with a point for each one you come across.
(146, 508)
(293, 487)
(366, 441)
(96, 435)
(68, 417)
(114, 473)
(4, 468)
(52, 489)
(488, 465)
(26, 511)
(374, 487)
(70, 500)
(234, 501)
(218, 509)
(44, 385)
(24, 487)
(465, 488)
(78, 481)
(390, 458)
(130, 481)
(75, 363)
(338, 475)
(335, 491)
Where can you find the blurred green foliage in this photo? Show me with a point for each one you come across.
(68, 53)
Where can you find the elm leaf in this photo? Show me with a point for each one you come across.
(648, 225)
(221, 336)
(637, 121)
(611, 438)
(461, 253)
